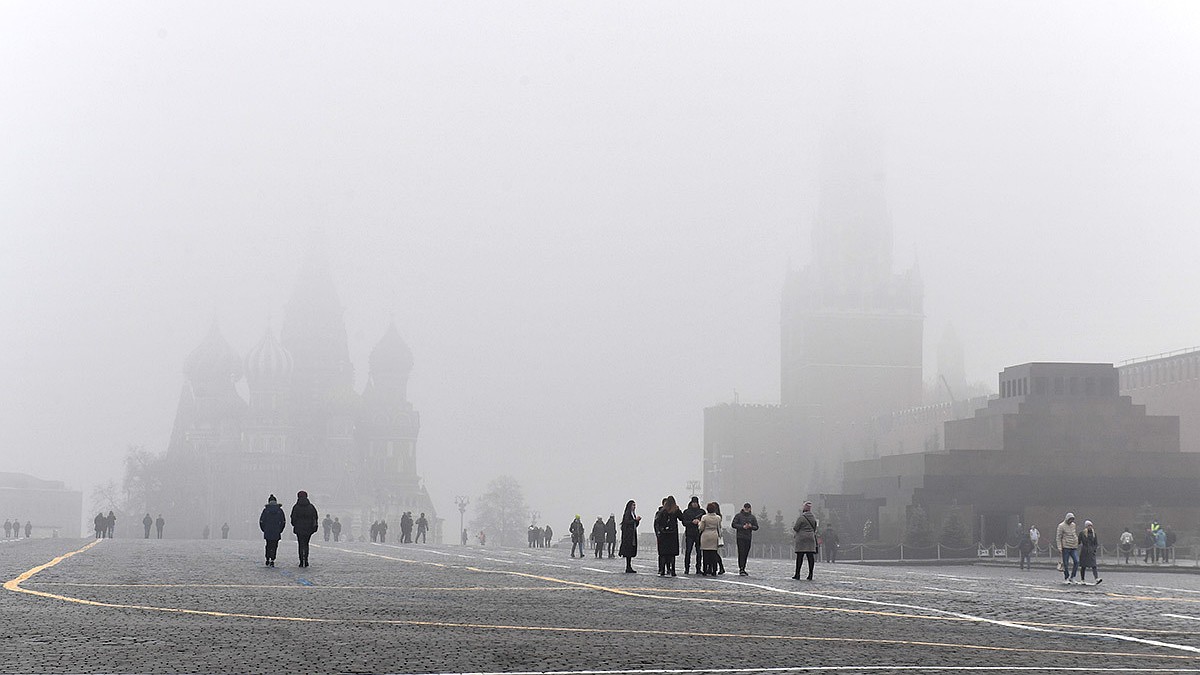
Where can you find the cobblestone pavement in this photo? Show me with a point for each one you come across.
(211, 606)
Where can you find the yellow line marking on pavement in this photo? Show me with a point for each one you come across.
(314, 587)
(15, 586)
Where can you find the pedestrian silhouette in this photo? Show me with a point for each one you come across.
(271, 522)
(305, 523)
(225, 530)
(337, 529)
(158, 525)
(146, 523)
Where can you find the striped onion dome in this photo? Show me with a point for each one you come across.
(268, 361)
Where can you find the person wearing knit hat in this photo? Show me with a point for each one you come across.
(1089, 551)
(271, 522)
(1067, 538)
(305, 523)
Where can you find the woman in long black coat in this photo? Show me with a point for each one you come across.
(629, 525)
(666, 526)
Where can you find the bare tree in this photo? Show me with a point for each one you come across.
(501, 511)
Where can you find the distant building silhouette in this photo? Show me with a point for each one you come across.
(301, 425)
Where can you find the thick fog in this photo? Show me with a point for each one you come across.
(580, 216)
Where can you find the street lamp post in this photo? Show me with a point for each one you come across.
(461, 501)
(693, 487)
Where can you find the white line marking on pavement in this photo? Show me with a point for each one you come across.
(594, 569)
(1163, 588)
(948, 590)
(1069, 602)
(565, 567)
(972, 617)
(850, 669)
(1182, 616)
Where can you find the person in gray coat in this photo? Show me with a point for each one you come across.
(805, 539)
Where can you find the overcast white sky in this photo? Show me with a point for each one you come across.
(579, 214)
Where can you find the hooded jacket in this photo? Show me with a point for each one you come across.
(1066, 535)
(272, 521)
(304, 517)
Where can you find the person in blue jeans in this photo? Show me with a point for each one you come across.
(1067, 537)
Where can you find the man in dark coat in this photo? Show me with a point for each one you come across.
(744, 524)
(549, 534)
(158, 525)
(224, 530)
(337, 529)
(610, 534)
(422, 528)
(146, 523)
(327, 526)
(576, 530)
(382, 531)
(305, 523)
(99, 522)
(598, 536)
(28, 529)
(271, 522)
(112, 524)
(691, 534)
(832, 541)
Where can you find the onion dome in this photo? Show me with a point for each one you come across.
(268, 361)
(214, 360)
(391, 357)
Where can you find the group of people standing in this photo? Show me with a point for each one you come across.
(703, 535)
(12, 529)
(604, 536)
(539, 537)
(333, 526)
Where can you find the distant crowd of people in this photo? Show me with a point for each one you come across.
(1080, 550)
(703, 530)
(539, 537)
(379, 529)
(12, 529)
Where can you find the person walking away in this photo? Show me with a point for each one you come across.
(1067, 538)
(667, 527)
(629, 543)
(146, 523)
(336, 528)
(383, 527)
(832, 543)
(7, 529)
(576, 530)
(805, 540)
(327, 527)
(549, 534)
(224, 530)
(1125, 544)
(691, 534)
(422, 528)
(1025, 547)
(1148, 546)
(101, 525)
(1160, 545)
(112, 524)
(744, 524)
(708, 528)
(305, 523)
(597, 536)
(1170, 549)
(272, 522)
(464, 536)
(1089, 550)
(28, 529)
(158, 525)
(610, 534)
(1034, 535)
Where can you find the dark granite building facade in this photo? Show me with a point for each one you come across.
(1060, 437)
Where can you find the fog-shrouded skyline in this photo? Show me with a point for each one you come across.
(579, 217)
